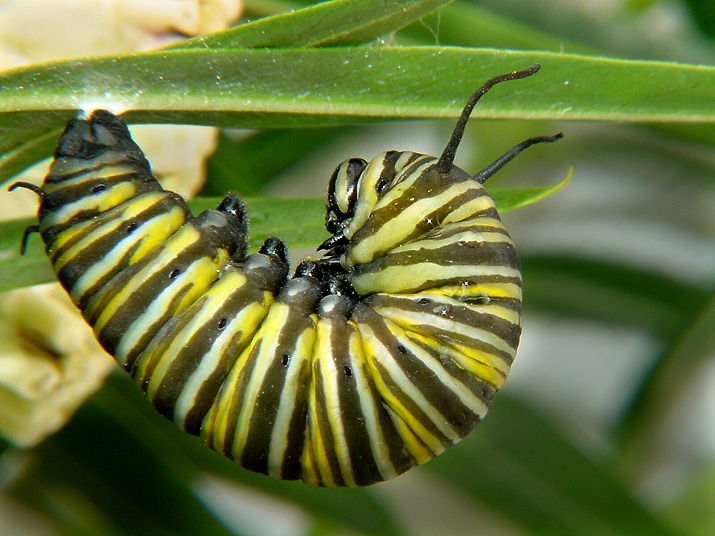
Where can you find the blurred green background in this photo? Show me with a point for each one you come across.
(605, 425)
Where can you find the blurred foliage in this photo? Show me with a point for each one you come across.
(118, 468)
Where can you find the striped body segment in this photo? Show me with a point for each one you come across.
(359, 366)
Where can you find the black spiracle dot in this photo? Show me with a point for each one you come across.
(174, 273)
(222, 323)
(424, 301)
(98, 188)
(348, 371)
(131, 228)
(401, 349)
(285, 359)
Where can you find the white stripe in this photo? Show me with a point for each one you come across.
(405, 385)
(412, 320)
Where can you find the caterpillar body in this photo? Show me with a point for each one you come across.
(362, 364)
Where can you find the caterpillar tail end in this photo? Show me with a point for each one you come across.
(90, 134)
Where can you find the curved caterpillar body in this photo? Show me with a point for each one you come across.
(361, 365)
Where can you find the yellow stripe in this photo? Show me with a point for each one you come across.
(244, 324)
(491, 370)
(182, 239)
(448, 381)
(68, 235)
(211, 301)
(398, 279)
(311, 474)
(194, 281)
(261, 362)
(398, 228)
(102, 202)
(472, 209)
(466, 238)
(487, 292)
(411, 320)
(367, 194)
(151, 234)
(324, 365)
(369, 409)
(376, 352)
(414, 446)
(113, 219)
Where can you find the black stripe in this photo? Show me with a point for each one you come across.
(301, 296)
(446, 402)
(466, 314)
(100, 248)
(431, 182)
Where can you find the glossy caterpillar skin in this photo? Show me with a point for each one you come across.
(359, 366)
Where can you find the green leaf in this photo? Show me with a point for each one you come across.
(358, 509)
(27, 151)
(513, 198)
(694, 510)
(94, 478)
(673, 373)
(468, 24)
(327, 23)
(19, 270)
(704, 15)
(528, 473)
(282, 87)
(588, 288)
(248, 164)
(279, 87)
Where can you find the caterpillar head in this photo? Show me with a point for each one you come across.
(357, 186)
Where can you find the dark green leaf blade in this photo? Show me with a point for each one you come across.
(249, 163)
(528, 473)
(588, 289)
(326, 23)
(18, 270)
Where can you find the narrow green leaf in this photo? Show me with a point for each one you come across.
(704, 15)
(327, 23)
(513, 198)
(589, 288)
(694, 511)
(272, 88)
(357, 509)
(527, 472)
(298, 222)
(471, 25)
(24, 153)
(95, 470)
(281, 87)
(673, 372)
(19, 270)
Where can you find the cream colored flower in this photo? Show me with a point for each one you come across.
(49, 363)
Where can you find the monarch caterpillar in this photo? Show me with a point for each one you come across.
(364, 363)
